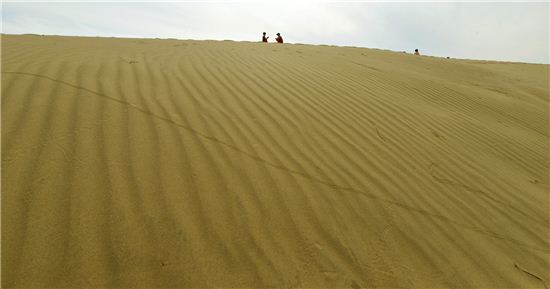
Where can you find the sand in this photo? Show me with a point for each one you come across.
(170, 163)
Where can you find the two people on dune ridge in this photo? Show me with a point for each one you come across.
(279, 38)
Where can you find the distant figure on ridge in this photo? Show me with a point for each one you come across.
(264, 38)
(416, 52)
(279, 38)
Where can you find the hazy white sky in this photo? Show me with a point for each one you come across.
(516, 31)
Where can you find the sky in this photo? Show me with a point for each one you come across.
(508, 31)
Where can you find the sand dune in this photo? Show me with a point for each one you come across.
(168, 163)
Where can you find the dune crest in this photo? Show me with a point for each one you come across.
(168, 163)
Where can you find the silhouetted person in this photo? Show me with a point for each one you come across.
(279, 38)
(264, 38)
(416, 52)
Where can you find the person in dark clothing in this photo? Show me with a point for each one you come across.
(264, 38)
(279, 38)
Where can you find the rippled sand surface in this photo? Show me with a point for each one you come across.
(169, 163)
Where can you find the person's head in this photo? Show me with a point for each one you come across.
(416, 50)
(278, 34)
(264, 33)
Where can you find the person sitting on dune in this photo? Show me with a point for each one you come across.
(264, 38)
(279, 38)
(416, 52)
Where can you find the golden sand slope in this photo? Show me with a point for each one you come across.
(139, 163)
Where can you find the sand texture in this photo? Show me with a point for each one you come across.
(169, 163)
